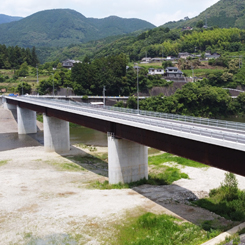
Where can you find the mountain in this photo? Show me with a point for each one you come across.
(6, 19)
(62, 27)
(224, 14)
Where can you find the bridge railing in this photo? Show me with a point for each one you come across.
(151, 118)
(189, 119)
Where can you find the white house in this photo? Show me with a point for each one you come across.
(146, 60)
(157, 71)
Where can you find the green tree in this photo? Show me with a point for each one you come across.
(200, 24)
(23, 88)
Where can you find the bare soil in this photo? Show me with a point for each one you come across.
(40, 202)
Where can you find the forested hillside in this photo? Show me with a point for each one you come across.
(62, 27)
(224, 14)
(7, 19)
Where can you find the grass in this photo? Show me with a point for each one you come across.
(151, 229)
(66, 166)
(200, 72)
(3, 162)
(166, 157)
(168, 176)
(40, 117)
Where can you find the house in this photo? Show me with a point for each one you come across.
(137, 68)
(188, 28)
(146, 60)
(157, 59)
(153, 71)
(209, 56)
(173, 72)
(184, 55)
(69, 63)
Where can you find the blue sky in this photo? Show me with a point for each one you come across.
(157, 12)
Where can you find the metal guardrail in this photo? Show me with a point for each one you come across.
(190, 119)
(154, 119)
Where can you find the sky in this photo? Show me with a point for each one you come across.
(156, 12)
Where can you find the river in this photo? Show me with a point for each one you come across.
(79, 134)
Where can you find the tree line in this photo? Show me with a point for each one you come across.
(89, 78)
(12, 57)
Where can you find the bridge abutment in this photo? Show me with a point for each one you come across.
(26, 121)
(56, 135)
(128, 161)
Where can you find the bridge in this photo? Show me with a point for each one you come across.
(216, 143)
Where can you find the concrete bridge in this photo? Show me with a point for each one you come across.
(213, 142)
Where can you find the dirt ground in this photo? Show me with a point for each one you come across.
(41, 203)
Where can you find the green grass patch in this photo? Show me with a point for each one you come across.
(3, 162)
(227, 200)
(168, 176)
(151, 229)
(166, 157)
(73, 125)
(88, 159)
(200, 72)
(66, 166)
(91, 148)
(40, 117)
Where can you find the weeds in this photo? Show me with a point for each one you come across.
(3, 162)
(227, 200)
(170, 175)
(166, 157)
(66, 166)
(90, 148)
(161, 229)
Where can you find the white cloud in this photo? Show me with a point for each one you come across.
(157, 12)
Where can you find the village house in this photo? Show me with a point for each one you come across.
(184, 55)
(69, 63)
(173, 72)
(145, 60)
(157, 71)
(157, 59)
(209, 56)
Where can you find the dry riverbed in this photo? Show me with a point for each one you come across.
(46, 198)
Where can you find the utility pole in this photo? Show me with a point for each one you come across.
(104, 95)
(53, 84)
(192, 74)
(37, 72)
(22, 87)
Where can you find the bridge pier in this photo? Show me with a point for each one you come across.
(127, 161)
(26, 121)
(56, 135)
(8, 106)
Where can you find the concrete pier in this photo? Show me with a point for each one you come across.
(8, 106)
(56, 135)
(26, 121)
(128, 161)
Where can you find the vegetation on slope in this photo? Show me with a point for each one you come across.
(62, 27)
(224, 14)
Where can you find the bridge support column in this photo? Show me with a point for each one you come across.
(26, 121)
(128, 161)
(56, 135)
(8, 106)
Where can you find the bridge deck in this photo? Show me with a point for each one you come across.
(220, 147)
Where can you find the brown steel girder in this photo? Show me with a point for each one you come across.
(212, 155)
